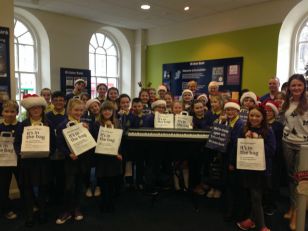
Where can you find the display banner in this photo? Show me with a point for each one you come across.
(69, 76)
(5, 60)
(228, 72)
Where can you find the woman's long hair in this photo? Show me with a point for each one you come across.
(303, 103)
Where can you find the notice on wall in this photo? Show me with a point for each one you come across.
(227, 72)
(5, 59)
(70, 75)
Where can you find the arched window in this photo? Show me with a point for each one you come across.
(26, 68)
(103, 61)
(301, 51)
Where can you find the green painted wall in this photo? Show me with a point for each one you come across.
(257, 45)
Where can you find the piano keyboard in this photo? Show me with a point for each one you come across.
(167, 134)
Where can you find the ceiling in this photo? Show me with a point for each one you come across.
(127, 13)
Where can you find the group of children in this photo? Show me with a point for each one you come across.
(64, 174)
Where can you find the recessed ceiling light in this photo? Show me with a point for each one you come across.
(145, 6)
(186, 8)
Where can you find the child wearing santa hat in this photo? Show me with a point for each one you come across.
(248, 100)
(187, 97)
(34, 172)
(232, 109)
(161, 91)
(272, 113)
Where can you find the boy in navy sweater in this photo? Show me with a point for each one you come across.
(56, 117)
(9, 124)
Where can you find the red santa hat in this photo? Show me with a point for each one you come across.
(30, 101)
(273, 106)
(232, 104)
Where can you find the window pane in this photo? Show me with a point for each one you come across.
(108, 43)
(112, 51)
(304, 35)
(91, 49)
(302, 58)
(26, 39)
(100, 51)
(93, 41)
(92, 64)
(100, 39)
(93, 80)
(112, 82)
(100, 65)
(26, 58)
(93, 87)
(28, 84)
(101, 80)
(19, 29)
(16, 57)
(112, 69)
(17, 86)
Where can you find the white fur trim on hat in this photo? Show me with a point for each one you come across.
(232, 105)
(273, 107)
(162, 88)
(158, 102)
(204, 96)
(90, 101)
(32, 101)
(80, 81)
(213, 84)
(187, 91)
(249, 94)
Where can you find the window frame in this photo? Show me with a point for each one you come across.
(299, 29)
(36, 60)
(118, 59)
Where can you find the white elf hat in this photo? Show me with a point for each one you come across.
(187, 91)
(249, 94)
(213, 84)
(162, 88)
(30, 101)
(90, 101)
(206, 99)
(158, 102)
(80, 81)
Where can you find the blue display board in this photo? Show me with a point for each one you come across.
(228, 72)
(5, 81)
(68, 76)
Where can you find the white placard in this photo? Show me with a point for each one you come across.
(163, 120)
(78, 138)
(250, 154)
(108, 141)
(7, 153)
(183, 121)
(35, 142)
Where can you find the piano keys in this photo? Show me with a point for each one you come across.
(167, 134)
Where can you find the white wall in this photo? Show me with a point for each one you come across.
(253, 16)
(69, 43)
